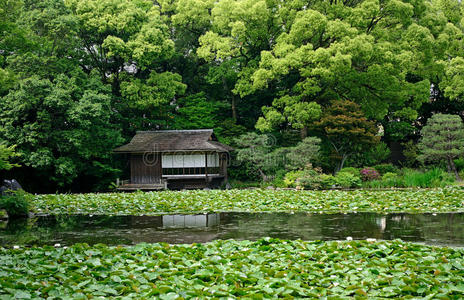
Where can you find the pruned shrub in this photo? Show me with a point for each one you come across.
(347, 180)
(327, 181)
(354, 171)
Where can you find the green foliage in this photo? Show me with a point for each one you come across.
(310, 180)
(386, 168)
(459, 163)
(158, 90)
(291, 177)
(412, 178)
(351, 170)
(228, 268)
(389, 176)
(296, 113)
(433, 178)
(347, 180)
(411, 154)
(6, 154)
(196, 112)
(304, 154)
(65, 124)
(379, 153)
(256, 150)
(16, 203)
(443, 140)
(327, 181)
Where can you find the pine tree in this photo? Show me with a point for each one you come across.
(443, 140)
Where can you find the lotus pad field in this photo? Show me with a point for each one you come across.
(152, 203)
(262, 269)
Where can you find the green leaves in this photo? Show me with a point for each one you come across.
(265, 268)
(155, 203)
(155, 92)
(55, 118)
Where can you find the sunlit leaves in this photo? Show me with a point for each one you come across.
(159, 89)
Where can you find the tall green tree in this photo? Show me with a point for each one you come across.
(443, 141)
(61, 128)
(362, 51)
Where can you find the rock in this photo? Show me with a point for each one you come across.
(15, 186)
(10, 185)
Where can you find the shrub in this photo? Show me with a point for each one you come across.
(291, 177)
(327, 181)
(16, 203)
(354, 171)
(368, 174)
(390, 179)
(310, 181)
(347, 180)
(389, 176)
(386, 168)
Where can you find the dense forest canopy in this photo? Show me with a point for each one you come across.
(79, 77)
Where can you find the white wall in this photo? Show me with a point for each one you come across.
(189, 160)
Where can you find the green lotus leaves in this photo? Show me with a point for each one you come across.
(266, 268)
(197, 201)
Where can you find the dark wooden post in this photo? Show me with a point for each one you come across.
(206, 167)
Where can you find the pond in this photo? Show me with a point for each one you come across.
(434, 229)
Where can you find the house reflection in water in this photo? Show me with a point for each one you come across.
(190, 221)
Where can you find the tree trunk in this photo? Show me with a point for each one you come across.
(263, 176)
(341, 163)
(234, 108)
(452, 167)
(233, 102)
(304, 132)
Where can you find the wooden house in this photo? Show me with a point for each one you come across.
(175, 159)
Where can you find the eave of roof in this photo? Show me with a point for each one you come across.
(173, 141)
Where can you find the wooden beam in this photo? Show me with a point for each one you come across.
(206, 166)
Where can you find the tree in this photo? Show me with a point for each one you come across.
(257, 151)
(304, 154)
(6, 154)
(61, 128)
(347, 129)
(196, 112)
(298, 114)
(443, 141)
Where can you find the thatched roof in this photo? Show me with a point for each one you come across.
(173, 140)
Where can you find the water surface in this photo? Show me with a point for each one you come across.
(435, 229)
